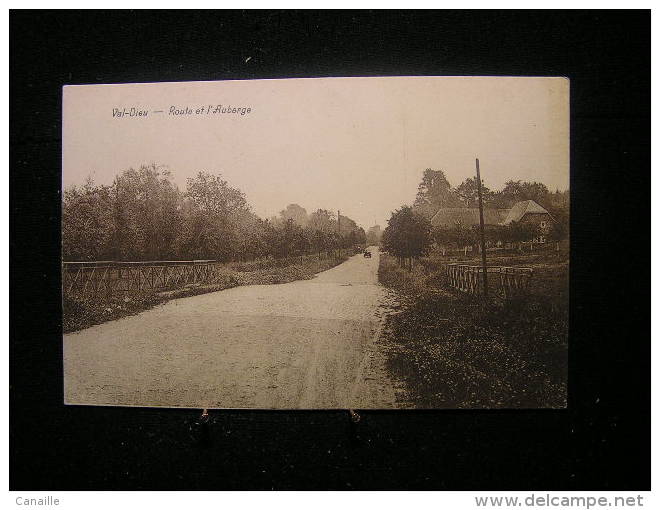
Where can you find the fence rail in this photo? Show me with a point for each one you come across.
(507, 281)
(98, 278)
(108, 277)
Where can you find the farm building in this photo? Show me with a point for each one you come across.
(467, 217)
(527, 212)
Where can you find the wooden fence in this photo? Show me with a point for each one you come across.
(94, 278)
(506, 281)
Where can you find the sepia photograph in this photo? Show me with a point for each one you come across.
(318, 243)
(382, 253)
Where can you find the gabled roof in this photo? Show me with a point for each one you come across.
(451, 216)
(519, 210)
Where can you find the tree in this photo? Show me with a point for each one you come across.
(558, 231)
(87, 226)
(347, 225)
(374, 235)
(517, 191)
(322, 220)
(559, 228)
(407, 236)
(296, 213)
(212, 224)
(558, 205)
(211, 194)
(146, 214)
(469, 194)
(250, 237)
(351, 234)
(295, 242)
(495, 233)
(137, 218)
(434, 192)
(442, 236)
(465, 236)
(317, 240)
(519, 232)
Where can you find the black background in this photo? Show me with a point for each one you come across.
(601, 442)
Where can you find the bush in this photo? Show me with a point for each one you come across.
(408, 235)
(453, 351)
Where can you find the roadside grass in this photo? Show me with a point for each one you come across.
(80, 313)
(454, 351)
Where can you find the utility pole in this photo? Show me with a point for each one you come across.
(339, 229)
(481, 231)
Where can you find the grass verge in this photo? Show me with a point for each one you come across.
(453, 351)
(78, 313)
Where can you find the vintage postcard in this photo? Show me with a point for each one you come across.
(335, 243)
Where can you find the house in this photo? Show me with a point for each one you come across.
(529, 212)
(467, 217)
(526, 212)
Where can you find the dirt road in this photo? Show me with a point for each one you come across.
(305, 344)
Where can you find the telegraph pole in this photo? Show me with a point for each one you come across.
(481, 231)
(339, 229)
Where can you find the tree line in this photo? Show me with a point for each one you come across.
(435, 192)
(143, 215)
(409, 233)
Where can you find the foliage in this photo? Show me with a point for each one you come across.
(519, 232)
(87, 222)
(517, 191)
(323, 221)
(459, 235)
(374, 235)
(408, 234)
(469, 194)
(144, 216)
(559, 229)
(296, 213)
(434, 192)
(455, 352)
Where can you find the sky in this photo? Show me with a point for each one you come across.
(359, 145)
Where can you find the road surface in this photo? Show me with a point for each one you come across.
(306, 345)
